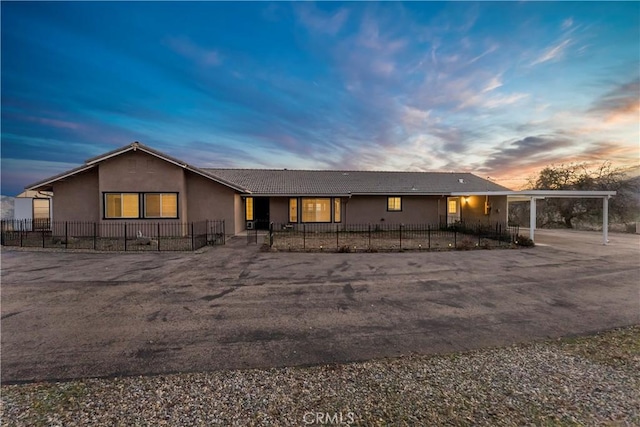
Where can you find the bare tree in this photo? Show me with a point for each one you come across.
(582, 176)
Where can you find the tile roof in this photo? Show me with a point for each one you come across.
(293, 182)
(330, 182)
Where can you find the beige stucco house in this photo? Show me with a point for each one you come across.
(138, 183)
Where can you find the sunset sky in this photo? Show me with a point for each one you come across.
(497, 89)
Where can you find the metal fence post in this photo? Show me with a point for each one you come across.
(66, 235)
(369, 234)
(400, 236)
(42, 236)
(125, 236)
(95, 235)
(455, 237)
(304, 236)
(193, 239)
(271, 234)
(2, 232)
(158, 237)
(429, 235)
(337, 237)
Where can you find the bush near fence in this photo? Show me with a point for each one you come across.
(389, 237)
(113, 236)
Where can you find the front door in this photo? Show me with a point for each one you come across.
(261, 212)
(453, 210)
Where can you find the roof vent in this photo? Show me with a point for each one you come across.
(461, 180)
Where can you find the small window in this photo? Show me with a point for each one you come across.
(293, 210)
(122, 205)
(248, 208)
(161, 205)
(453, 207)
(394, 204)
(337, 215)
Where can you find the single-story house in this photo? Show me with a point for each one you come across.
(138, 183)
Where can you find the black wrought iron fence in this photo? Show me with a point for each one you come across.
(113, 236)
(385, 237)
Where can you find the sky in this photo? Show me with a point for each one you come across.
(498, 89)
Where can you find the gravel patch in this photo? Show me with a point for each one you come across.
(582, 381)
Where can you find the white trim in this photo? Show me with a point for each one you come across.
(59, 177)
(540, 193)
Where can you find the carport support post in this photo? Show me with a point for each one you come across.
(532, 218)
(605, 220)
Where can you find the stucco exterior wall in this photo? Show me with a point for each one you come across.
(209, 200)
(473, 209)
(238, 224)
(77, 198)
(279, 209)
(137, 171)
(373, 210)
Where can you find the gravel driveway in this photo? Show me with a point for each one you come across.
(72, 315)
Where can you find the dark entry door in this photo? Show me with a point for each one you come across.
(261, 212)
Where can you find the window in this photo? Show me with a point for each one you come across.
(394, 204)
(122, 205)
(140, 205)
(293, 210)
(337, 216)
(248, 205)
(316, 210)
(40, 209)
(453, 207)
(161, 205)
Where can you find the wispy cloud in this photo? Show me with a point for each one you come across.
(621, 104)
(189, 49)
(567, 23)
(553, 52)
(321, 22)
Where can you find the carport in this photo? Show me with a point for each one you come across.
(532, 196)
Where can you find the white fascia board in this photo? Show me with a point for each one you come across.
(540, 194)
(55, 178)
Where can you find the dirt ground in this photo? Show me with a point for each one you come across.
(83, 314)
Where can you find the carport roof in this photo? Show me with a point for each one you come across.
(525, 195)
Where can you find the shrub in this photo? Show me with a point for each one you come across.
(466, 244)
(524, 241)
(344, 249)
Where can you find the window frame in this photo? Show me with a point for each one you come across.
(105, 208)
(141, 198)
(144, 195)
(302, 210)
(337, 210)
(389, 208)
(249, 213)
(294, 209)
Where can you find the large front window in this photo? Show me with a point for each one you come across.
(161, 205)
(140, 205)
(316, 210)
(122, 205)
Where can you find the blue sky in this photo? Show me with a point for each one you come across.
(498, 89)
